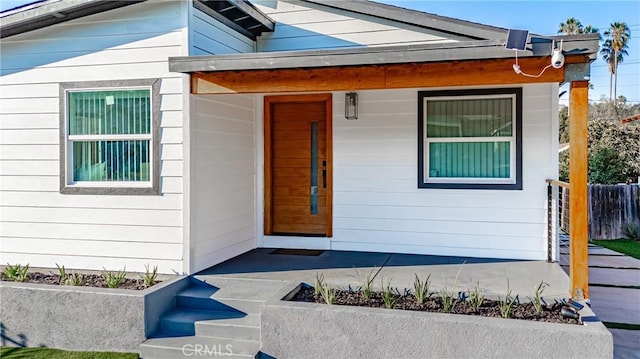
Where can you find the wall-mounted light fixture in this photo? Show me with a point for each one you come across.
(351, 106)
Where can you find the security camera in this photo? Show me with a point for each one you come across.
(557, 59)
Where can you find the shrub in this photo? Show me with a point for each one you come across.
(606, 166)
(317, 289)
(632, 231)
(366, 284)
(447, 297)
(328, 293)
(476, 297)
(388, 296)
(75, 279)
(114, 279)
(16, 273)
(507, 303)
(537, 300)
(421, 289)
(149, 277)
(63, 274)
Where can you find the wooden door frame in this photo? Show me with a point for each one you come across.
(268, 102)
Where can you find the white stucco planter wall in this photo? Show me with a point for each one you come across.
(83, 318)
(310, 330)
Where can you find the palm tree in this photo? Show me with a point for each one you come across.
(571, 27)
(607, 55)
(592, 30)
(618, 36)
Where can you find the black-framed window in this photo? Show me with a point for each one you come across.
(109, 137)
(470, 139)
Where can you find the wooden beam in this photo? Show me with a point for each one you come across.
(368, 77)
(578, 200)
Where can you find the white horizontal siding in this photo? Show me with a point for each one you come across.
(40, 226)
(377, 205)
(92, 232)
(209, 36)
(223, 178)
(303, 26)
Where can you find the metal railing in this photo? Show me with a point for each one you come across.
(557, 216)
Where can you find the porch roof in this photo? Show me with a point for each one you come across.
(584, 46)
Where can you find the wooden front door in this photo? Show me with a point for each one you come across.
(298, 170)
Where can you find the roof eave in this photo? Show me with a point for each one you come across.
(453, 51)
(49, 13)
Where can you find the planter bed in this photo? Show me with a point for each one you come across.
(82, 317)
(489, 308)
(90, 280)
(312, 330)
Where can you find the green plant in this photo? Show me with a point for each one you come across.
(606, 166)
(388, 296)
(63, 274)
(476, 297)
(16, 273)
(114, 279)
(74, 279)
(632, 231)
(149, 277)
(537, 300)
(421, 289)
(328, 293)
(447, 297)
(506, 304)
(317, 289)
(366, 284)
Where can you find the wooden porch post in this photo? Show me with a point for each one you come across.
(578, 202)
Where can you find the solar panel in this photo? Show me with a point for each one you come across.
(517, 39)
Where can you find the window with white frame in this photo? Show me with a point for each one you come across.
(470, 139)
(110, 135)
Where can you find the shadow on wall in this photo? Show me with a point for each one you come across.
(101, 32)
(290, 37)
(6, 340)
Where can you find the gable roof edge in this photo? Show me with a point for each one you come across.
(470, 29)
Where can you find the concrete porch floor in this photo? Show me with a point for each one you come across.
(343, 268)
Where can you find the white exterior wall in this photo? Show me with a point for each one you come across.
(378, 207)
(304, 26)
(208, 36)
(222, 157)
(223, 178)
(40, 226)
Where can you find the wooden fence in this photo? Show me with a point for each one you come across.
(611, 209)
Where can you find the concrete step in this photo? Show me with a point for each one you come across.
(246, 328)
(195, 346)
(199, 297)
(240, 288)
(182, 321)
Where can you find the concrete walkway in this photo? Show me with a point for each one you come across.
(342, 268)
(614, 287)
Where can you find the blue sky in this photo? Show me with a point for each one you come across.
(544, 18)
(540, 17)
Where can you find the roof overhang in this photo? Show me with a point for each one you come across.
(585, 46)
(46, 13)
(239, 15)
(483, 62)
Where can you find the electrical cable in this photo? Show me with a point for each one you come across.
(519, 71)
